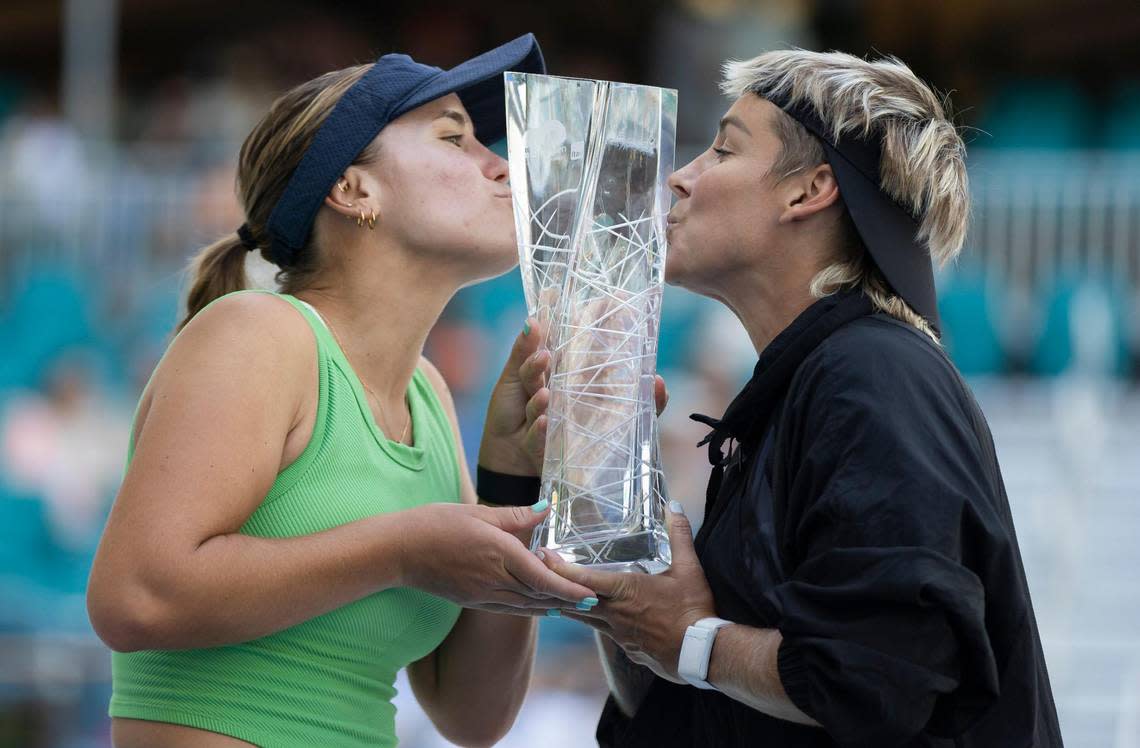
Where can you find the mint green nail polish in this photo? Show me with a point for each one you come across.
(554, 613)
(539, 506)
(587, 603)
(526, 328)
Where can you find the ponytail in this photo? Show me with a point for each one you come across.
(269, 156)
(218, 269)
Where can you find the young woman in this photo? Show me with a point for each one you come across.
(297, 522)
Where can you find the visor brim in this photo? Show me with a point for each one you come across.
(890, 235)
(479, 84)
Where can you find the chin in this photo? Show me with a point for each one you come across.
(675, 266)
(493, 263)
(677, 274)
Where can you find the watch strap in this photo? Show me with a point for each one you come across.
(696, 649)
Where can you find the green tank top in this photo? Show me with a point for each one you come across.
(328, 681)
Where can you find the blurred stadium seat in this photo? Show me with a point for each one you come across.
(1037, 114)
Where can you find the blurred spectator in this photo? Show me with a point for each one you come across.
(66, 444)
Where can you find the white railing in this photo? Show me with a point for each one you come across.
(1041, 214)
(1037, 215)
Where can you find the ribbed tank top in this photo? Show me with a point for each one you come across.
(328, 681)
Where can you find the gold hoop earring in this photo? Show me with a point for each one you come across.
(360, 221)
(372, 220)
(344, 186)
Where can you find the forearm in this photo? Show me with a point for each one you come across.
(234, 588)
(628, 681)
(482, 672)
(743, 666)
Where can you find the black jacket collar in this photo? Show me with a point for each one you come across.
(747, 416)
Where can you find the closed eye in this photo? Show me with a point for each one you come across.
(721, 153)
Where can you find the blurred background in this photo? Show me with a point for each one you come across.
(120, 121)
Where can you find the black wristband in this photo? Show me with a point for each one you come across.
(507, 490)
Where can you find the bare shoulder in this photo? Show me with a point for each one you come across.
(242, 348)
(263, 320)
(258, 334)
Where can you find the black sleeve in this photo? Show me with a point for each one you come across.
(883, 623)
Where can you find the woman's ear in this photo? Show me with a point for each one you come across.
(353, 197)
(809, 193)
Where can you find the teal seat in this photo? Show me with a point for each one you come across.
(49, 312)
(1036, 114)
(1122, 119)
(42, 584)
(968, 329)
(1083, 330)
(26, 560)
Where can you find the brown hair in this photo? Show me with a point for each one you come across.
(267, 159)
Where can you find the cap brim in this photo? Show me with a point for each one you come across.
(890, 235)
(479, 83)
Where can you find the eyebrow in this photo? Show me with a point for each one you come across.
(453, 114)
(735, 122)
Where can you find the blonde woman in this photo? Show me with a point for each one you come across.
(857, 579)
(297, 522)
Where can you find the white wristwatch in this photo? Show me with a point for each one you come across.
(693, 665)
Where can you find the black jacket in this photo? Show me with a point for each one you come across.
(862, 513)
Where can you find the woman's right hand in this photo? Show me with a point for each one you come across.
(469, 554)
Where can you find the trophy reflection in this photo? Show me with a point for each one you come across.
(588, 165)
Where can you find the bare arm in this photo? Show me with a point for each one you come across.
(743, 666)
(173, 570)
(647, 615)
(473, 685)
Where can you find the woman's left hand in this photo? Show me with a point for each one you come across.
(647, 615)
(514, 433)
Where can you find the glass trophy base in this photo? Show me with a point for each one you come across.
(640, 553)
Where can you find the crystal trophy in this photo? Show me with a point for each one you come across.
(589, 162)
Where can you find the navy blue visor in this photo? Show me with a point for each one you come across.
(393, 86)
(888, 230)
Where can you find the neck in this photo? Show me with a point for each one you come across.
(381, 312)
(767, 301)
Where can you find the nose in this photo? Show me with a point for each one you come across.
(493, 166)
(499, 170)
(680, 181)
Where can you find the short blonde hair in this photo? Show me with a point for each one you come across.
(923, 165)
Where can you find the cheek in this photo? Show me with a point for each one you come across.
(454, 177)
(445, 202)
(432, 182)
(732, 206)
(705, 198)
(716, 206)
